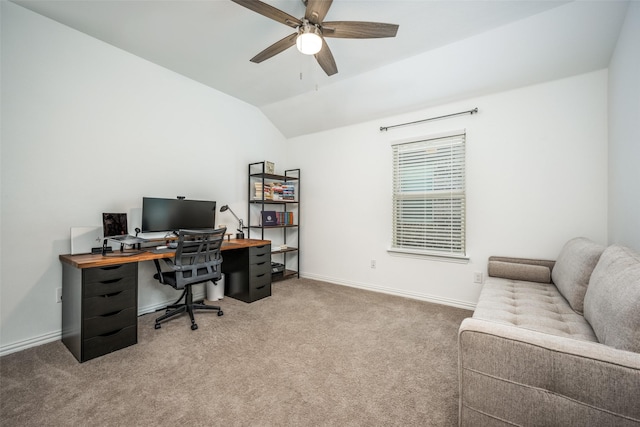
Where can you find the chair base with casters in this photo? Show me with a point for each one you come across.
(197, 260)
(187, 306)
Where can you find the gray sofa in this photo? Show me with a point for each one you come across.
(554, 343)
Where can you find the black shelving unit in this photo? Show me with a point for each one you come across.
(285, 259)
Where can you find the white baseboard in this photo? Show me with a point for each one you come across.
(57, 335)
(392, 291)
(31, 342)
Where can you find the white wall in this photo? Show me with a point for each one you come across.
(536, 177)
(624, 134)
(88, 128)
(537, 168)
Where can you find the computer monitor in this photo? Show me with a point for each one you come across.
(174, 214)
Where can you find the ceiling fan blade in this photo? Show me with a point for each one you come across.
(275, 48)
(270, 12)
(325, 59)
(358, 30)
(317, 10)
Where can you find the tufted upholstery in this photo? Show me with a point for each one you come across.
(527, 357)
(534, 306)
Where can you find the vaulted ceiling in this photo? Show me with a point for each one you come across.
(445, 50)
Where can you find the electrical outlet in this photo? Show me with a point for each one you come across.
(58, 295)
(373, 263)
(477, 277)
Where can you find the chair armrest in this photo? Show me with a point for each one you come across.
(529, 377)
(531, 270)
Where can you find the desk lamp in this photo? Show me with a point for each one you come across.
(240, 233)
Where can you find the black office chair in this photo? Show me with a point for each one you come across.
(197, 260)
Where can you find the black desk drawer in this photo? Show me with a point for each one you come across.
(103, 344)
(260, 287)
(257, 251)
(260, 268)
(260, 257)
(259, 280)
(108, 303)
(103, 274)
(100, 325)
(109, 286)
(248, 273)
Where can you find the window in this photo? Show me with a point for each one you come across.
(429, 196)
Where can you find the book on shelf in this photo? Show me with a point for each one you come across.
(269, 218)
(288, 192)
(284, 218)
(259, 190)
(275, 191)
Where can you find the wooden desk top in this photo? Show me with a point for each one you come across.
(97, 260)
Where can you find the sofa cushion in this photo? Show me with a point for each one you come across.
(519, 271)
(612, 301)
(573, 269)
(535, 306)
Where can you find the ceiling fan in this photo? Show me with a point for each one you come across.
(311, 31)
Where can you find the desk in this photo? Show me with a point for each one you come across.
(100, 294)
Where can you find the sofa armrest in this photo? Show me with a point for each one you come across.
(526, 377)
(531, 270)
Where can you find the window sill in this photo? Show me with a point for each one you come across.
(435, 256)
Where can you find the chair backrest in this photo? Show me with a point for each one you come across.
(198, 257)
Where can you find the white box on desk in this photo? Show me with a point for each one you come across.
(85, 238)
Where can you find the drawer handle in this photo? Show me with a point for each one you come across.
(260, 287)
(112, 313)
(111, 267)
(113, 294)
(111, 333)
(260, 255)
(106, 282)
(260, 275)
(261, 263)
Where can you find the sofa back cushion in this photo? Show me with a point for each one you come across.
(573, 269)
(612, 301)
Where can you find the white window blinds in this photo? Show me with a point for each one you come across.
(429, 196)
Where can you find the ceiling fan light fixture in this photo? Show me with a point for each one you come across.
(309, 39)
(309, 35)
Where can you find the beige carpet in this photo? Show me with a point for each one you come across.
(312, 354)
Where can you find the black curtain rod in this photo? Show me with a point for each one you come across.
(385, 128)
